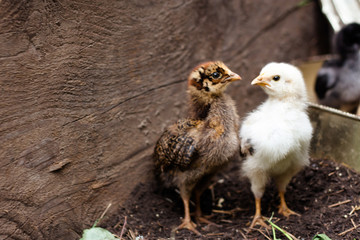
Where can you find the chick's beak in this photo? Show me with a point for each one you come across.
(232, 77)
(261, 81)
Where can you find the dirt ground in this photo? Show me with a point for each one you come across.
(312, 193)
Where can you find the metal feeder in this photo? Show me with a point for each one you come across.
(336, 133)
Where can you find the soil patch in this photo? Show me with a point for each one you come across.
(312, 193)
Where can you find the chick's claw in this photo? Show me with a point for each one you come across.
(205, 220)
(258, 220)
(190, 226)
(284, 210)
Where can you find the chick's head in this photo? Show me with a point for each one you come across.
(348, 40)
(211, 78)
(281, 80)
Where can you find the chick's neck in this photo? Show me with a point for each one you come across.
(297, 101)
(200, 106)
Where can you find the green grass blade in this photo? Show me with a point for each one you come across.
(321, 237)
(278, 228)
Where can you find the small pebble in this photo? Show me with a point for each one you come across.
(220, 202)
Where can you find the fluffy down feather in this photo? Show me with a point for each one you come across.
(278, 132)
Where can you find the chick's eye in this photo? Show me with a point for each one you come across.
(215, 75)
(276, 78)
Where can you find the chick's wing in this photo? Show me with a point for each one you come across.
(176, 147)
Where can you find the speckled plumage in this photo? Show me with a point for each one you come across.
(176, 148)
(191, 151)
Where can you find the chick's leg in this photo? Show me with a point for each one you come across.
(283, 208)
(187, 223)
(200, 218)
(258, 218)
(202, 185)
(258, 182)
(198, 212)
(281, 182)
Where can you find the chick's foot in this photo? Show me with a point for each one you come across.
(284, 210)
(188, 225)
(205, 220)
(258, 220)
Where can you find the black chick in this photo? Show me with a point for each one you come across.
(190, 152)
(338, 81)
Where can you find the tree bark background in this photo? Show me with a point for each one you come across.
(88, 86)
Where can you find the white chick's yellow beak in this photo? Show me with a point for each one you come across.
(261, 81)
(232, 77)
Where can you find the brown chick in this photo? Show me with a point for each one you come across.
(190, 152)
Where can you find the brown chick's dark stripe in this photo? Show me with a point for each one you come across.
(203, 111)
(202, 78)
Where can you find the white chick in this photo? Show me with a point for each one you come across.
(275, 138)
